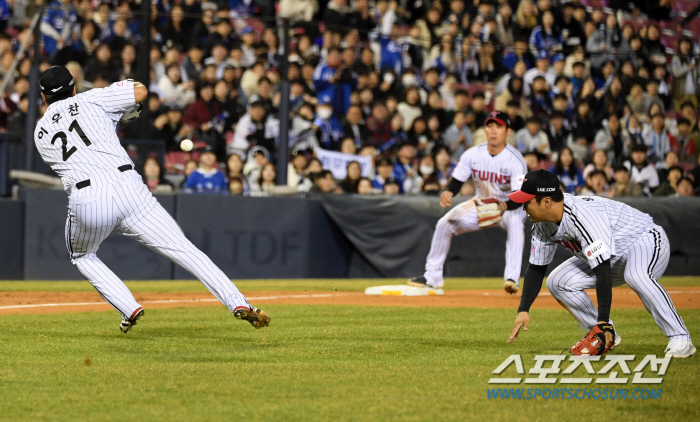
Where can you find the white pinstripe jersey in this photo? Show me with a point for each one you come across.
(495, 176)
(77, 136)
(592, 228)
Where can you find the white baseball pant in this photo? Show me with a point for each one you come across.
(127, 207)
(640, 267)
(462, 219)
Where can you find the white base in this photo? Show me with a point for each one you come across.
(403, 290)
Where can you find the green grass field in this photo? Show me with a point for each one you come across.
(314, 362)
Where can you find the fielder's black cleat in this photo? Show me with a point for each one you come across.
(257, 317)
(127, 323)
(419, 282)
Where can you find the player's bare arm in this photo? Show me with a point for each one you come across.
(531, 289)
(453, 188)
(140, 92)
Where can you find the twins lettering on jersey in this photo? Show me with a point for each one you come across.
(487, 176)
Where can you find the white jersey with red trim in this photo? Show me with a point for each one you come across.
(495, 176)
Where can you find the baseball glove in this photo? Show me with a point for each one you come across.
(594, 342)
(130, 114)
(488, 212)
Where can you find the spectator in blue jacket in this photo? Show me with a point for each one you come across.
(5, 14)
(519, 54)
(385, 169)
(330, 131)
(545, 37)
(207, 178)
(567, 172)
(57, 25)
(392, 50)
(333, 82)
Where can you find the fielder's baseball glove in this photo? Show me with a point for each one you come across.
(594, 342)
(130, 114)
(488, 212)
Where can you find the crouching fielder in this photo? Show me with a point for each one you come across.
(496, 168)
(612, 244)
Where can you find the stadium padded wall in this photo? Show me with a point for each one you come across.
(46, 255)
(322, 236)
(11, 239)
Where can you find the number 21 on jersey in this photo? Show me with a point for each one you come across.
(74, 127)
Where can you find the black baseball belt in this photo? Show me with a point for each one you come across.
(86, 183)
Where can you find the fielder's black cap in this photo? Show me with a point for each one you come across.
(499, 117)
(536, 183)
(56, 80)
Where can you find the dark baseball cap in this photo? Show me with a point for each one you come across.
(536, 183)
(499, 117)
(56, 80)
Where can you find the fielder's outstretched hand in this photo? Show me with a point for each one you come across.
(521, 321)
(446, 199)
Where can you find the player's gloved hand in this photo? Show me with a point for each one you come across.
(595, 342)
(488, 212)
(130, 114)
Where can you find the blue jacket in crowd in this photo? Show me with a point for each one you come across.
(203, 181)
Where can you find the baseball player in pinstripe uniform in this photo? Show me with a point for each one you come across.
(612, 244)
(496, 168)
(77, 138)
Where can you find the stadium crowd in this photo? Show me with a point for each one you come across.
(386, 95)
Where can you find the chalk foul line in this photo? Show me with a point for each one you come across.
(49, 305)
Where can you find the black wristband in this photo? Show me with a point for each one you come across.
(534, 274)
(454, 186)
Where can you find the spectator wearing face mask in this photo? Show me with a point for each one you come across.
(302, 135)
(329, 130)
